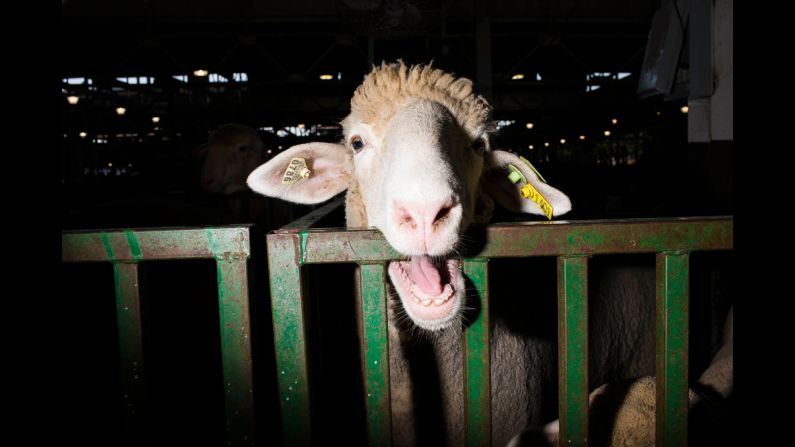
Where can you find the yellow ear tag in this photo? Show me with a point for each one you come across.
(529, 192)
(296, 171)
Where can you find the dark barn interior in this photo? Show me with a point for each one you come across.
(145, 82)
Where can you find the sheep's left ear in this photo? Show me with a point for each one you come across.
(508, 194)
(330, 172)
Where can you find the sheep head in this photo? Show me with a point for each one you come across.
(231, 153)
(417, 164)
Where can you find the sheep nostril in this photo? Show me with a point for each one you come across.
(443, 213)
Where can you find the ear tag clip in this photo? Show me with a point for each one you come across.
(529, 165)
(296, 171)
(528, 191)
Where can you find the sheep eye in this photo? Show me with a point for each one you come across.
(357, 144)
(479, 146)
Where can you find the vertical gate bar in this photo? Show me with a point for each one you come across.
(233, 302)
(672, 348)
(289, 336)
(376, 354)
(128, 314)
(477, 370)
(573, 350)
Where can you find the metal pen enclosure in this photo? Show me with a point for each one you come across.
(298, 244)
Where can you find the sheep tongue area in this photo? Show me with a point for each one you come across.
(426, 275)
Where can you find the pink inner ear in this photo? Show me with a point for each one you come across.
(321, 167)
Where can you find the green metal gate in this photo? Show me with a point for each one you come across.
(125, 249)
(572, 243)
(297, 244)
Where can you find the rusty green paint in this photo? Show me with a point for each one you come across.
(107, 246)
(477, 370)
(212, 244)
(135, 247)
(235, 324)
(673, 311)
(557, 238)
(376, 354)
(289, 331)
(303, 237)
(573, 350)
(153, 244)
(128, 315)
(230, 246)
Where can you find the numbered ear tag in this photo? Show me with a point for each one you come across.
(529, 192)
(296, 171)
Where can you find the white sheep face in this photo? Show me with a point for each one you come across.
(418, 175)
(418, 178)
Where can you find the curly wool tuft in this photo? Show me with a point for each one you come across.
(388, 87)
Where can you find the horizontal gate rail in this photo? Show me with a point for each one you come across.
(572, 243)
(557, 238)
(230, 247)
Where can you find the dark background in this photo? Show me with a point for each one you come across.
(644, 168)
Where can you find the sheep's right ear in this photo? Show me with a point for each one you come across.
(330, 166)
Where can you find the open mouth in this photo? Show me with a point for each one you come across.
(431, 291)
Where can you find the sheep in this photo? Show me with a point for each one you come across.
(232, 152)
(623, 413)
(416, 162)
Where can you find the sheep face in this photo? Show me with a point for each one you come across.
(418, 178)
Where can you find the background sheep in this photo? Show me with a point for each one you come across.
(623, 413)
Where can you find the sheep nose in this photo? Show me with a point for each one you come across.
(427, 218)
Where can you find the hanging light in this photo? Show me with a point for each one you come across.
(607, 133)
(562, 141)
(684, 109)
(582, 137)
(72, 99)
(83, 134)
(326, 77)
(517, 77)
(529, 125)
(614, 121)
(546, 144)
(530, 147)
(121, 111)
(200, 72)
(155, 119)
